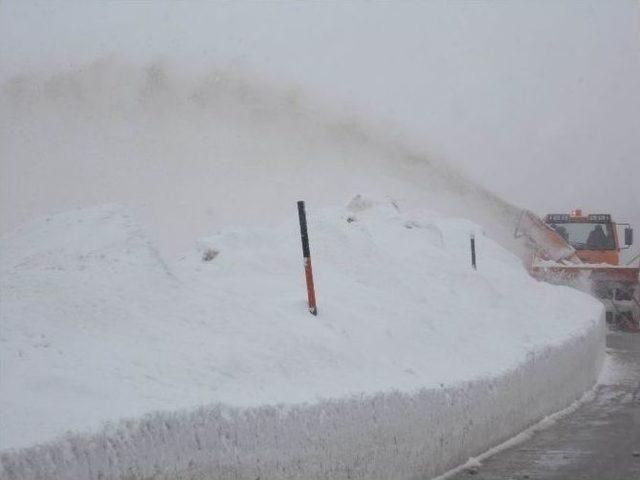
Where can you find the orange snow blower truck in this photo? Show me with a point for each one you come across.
(584, 251)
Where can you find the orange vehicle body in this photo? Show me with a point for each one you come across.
(584, 251)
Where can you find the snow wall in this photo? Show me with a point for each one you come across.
(105, 120)
(383, 436)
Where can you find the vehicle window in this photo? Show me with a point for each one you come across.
(587, 236)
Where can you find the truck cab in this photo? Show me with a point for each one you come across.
(594, 237)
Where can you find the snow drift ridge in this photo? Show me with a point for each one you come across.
(381, 436)
(98, 326)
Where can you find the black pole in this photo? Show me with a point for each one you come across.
(306, 254)
(473, 251)
(302, 216)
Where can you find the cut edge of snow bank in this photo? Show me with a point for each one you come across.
(381, 436)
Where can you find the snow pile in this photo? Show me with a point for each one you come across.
(384, 436)
(96, 327)
(414, 361)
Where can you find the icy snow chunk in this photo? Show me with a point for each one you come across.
(360, 203)
(209, 254)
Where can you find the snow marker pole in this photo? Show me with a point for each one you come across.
(473, 251)
(306, 254)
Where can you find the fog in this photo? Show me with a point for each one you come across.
(538, 101)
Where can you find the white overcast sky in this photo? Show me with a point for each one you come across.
(538, 100)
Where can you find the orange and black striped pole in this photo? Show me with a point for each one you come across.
(308, 271)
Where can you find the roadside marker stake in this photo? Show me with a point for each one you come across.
(473, 251)
(306, 254)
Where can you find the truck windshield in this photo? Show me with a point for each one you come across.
(586, 236)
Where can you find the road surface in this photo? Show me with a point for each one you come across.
(599, 441)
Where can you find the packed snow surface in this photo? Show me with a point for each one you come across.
(111, 311)
(96, 326)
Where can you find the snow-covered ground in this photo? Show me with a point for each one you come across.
(110, 175)
(97, 327)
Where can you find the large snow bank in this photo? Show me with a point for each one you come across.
(384, 436)
(96, 326)
(411, 346)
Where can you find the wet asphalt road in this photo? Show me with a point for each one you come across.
(599, 441)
